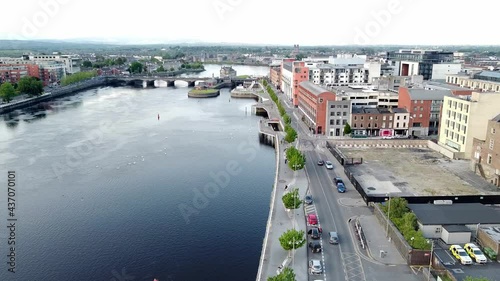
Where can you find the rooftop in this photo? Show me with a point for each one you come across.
(313, 88)
(399, 110)
(435, 85)
(456, 228)
(287, 65)
(492, 74)
(453, 214)
(497, 118)
(423, 94)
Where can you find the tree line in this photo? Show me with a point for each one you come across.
(31, 86)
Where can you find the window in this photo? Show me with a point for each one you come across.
(415, 109)
(383, 118)
(390, 118)
(422, 101)
(331, 121)
(492, 130)
(415, 101)
(354, 125)
(414, 115)
(346, 106)
(404, 117)
(355, 117)
(344, 122)
(420, 115)
(492, 143)
(489, 159)
(344, 113)
(396, 118)
(337, 122)
(332, 106)
(338, 113)
(404, 124)
(397, 125)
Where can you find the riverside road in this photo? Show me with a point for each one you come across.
(348, 260)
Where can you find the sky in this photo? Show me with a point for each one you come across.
(269, 22)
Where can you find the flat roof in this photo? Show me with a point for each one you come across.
(497, 118)
(456, 228)
(436, 85)
(313, 88)
(423, 94)
(453, 214)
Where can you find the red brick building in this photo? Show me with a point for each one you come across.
(300, 74)
(312, 101)
(275, 76)
(13, 72)
(424, 107)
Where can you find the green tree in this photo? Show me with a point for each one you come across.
(120, 61)
(287, 119)
(399, 206)
(292, 239)
(30, 85)
(347, 129)
(77, 77)
(160, 69)
(7, 92)
(87, 64)
(136, 67)
(291, 134)
(296, 160)
(291, 199)
(286, 275)
(172, 69)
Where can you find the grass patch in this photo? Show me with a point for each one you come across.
(204, 91)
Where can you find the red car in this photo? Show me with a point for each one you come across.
(312, 219)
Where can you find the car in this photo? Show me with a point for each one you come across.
(312, 219)
(336, 180)
(333, 237)
(475, 253)
(459, 253)
(315, 267)
(314, 232)
(315, 246)
(341, 187)
(308, 199)
(329, 165)
(321, 163)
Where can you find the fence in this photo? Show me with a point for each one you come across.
(357, 186)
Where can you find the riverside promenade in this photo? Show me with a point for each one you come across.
(273, 256)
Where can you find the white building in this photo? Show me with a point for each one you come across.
(286, 79)
(366, 97)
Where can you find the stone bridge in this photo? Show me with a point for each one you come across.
(153, 81)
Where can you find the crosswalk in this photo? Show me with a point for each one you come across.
(309, 209)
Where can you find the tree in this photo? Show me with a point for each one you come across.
(160, 69)
(136, 67)
(347, 129)
(87, 64)
(399, 206)
(286, 275)
(120, 61)
(291, 200)
(30, 85)
(172, 69)
(296, 160)
(292, 239)
(7, 92)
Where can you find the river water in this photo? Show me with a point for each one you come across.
(134, 184)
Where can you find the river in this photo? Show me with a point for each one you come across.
(134, 184)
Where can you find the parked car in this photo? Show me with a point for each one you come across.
(333, 237)
(312, 219)
(315, 246)
(329, 165)
(458, 252)
(341, 187)
(315, 267)
(308, 199)
(336, 180)
(475, 253)
(321, 163)
(314, 232)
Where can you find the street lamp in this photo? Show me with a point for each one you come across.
(430, 261)
(388, 215)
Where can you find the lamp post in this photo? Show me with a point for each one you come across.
(388, 215)
(430, 260)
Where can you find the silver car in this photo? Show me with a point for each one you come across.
(315, 267)
(308, 200)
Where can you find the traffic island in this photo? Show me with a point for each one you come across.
(203, 93)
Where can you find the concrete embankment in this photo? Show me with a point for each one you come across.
(56, 93)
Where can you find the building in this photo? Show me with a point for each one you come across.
(392, 83)
(484, 81)
(312, 103)
(227, 72)
(431, 64)
(342, 70)
(424, 107)
(373, 122)
(339, 115)
(454, 223)
(71, 63)
(366, 97)
(466, 118)
(275, 75)
(292, 74)
(486, 153)
(12, 72)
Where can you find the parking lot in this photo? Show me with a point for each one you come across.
(414, 172)
(490, 270)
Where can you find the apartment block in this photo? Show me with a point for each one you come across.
(366, 96)
(275, 75)
(484, 81)
(466, 118)
(312, 103)
(431, 64)
(424, 107)
(486, 153)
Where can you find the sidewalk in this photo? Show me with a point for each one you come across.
(377, 241)
(273, 256)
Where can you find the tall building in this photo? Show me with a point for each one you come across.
(431, 64)
(312, 103)
(486, 153)
(292, 74)
(466, 118)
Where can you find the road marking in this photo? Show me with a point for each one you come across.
(347, 271)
